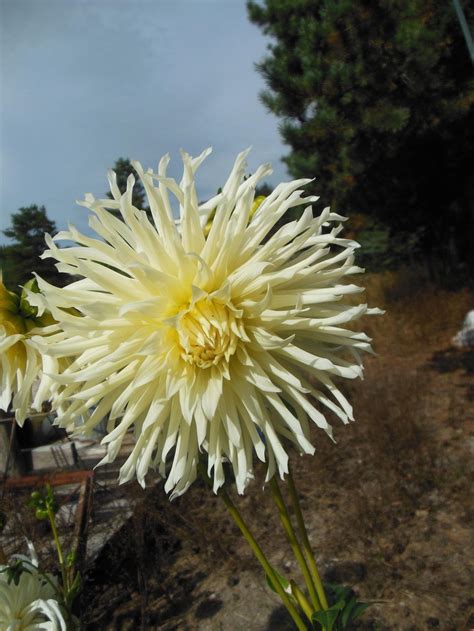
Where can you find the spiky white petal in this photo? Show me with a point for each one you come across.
(205, 335)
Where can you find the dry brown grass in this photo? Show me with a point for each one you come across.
(419, 314)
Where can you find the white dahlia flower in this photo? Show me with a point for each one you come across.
(28, 601)
(22, 367)
(208, 334)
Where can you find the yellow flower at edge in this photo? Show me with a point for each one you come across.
(20, 361)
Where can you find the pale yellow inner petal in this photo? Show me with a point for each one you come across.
(207, 333)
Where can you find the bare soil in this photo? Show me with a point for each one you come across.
(388, 508)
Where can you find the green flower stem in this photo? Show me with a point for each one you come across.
(306, 544)
(258, 552)
(294, 543)
(301, 600)
(262, 558)
(52, 521)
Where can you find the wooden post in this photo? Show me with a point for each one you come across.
(10, 456)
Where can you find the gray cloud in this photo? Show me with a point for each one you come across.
(86, 81)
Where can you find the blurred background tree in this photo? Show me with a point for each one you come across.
(18, 260)
(377, 101)
(263, 189)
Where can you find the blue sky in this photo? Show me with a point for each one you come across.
(84, 82)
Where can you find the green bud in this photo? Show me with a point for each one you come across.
(41, 514)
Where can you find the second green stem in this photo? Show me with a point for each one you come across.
(52, 521)
(306, 544)
(294, 543)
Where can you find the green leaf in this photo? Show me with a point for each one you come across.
(13, 571)
(344, 599)
(326, 618)
(359, 610)
(351, 611)
(346, 614)
(282, 580)
(338, 592)
(27, 310)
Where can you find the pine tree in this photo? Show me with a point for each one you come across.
(22, 257)
(123, 168)
(376, 100)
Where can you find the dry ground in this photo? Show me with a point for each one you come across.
(388, 507)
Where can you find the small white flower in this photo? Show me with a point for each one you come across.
(30, 603)
(207, 334)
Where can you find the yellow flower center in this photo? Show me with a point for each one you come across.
(208, 333)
